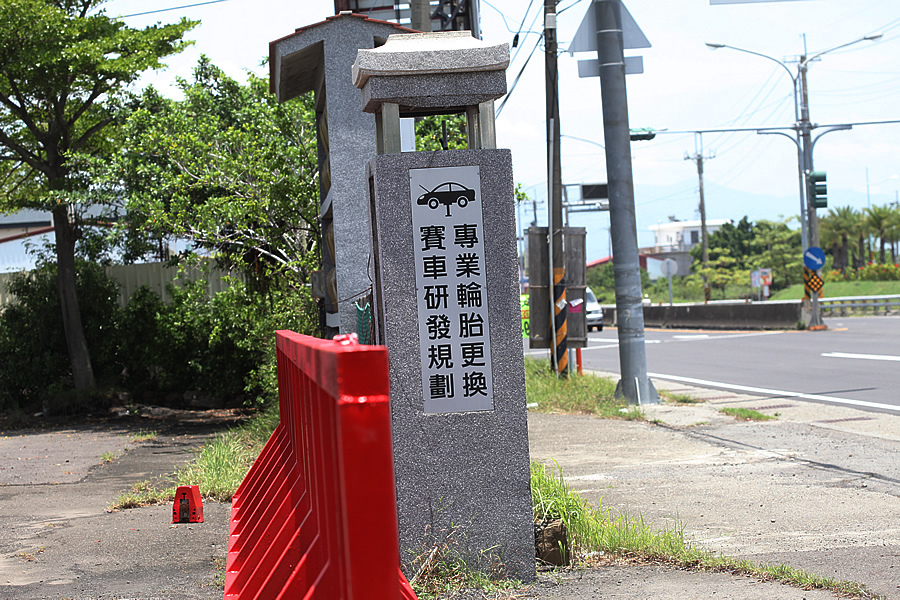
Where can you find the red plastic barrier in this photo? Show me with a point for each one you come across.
(316, 516)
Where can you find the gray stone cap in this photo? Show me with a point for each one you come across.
(428, 53)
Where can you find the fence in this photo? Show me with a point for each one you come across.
(864, 304)
(316, 515)
(156, 276)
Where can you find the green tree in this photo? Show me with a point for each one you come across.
(776, 246)
(228, 168)
(837, 228)
(430, 133)
(734, 241)
(64, 72)
(723, 270)
(880, 222)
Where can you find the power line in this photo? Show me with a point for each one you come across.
(161, 10)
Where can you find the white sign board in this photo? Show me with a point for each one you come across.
(451, 294)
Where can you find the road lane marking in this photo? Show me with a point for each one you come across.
(862, 356)
(779, 393)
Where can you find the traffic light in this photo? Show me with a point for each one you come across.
(642, 134)
(818, 189)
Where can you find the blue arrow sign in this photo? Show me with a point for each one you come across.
(814, 258)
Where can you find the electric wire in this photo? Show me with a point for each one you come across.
(515, 82)
(161, 10)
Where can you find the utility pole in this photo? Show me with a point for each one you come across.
(704, 234)
(812, 219)
(634, 385)
(420, 15)
(558, 306)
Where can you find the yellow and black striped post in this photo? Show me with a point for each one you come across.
(561, 310)
(812, 284)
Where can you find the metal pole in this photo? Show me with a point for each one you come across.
(634, 384)
(420, 15)
(815, 319)
(559, 308)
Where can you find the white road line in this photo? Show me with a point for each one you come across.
(862, 356)
(782, 393)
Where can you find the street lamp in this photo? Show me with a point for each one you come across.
(802, 128)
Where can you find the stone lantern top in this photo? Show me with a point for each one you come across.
(427, 53)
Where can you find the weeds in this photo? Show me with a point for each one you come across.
(143, 493)
(144, 436)
(581, 394)
(444, 571)
(680, 398)
(595, 530)
(746, 414)
(107, 457)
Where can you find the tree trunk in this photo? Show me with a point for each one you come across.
(79, 355)
(845, 253)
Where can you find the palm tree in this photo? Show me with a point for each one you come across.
(837, 227)
(879, 220)
(894, 230)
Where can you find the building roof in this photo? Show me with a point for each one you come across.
(678, 225)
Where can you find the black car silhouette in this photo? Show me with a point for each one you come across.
(447, 193)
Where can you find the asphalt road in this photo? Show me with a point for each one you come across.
(855, 363)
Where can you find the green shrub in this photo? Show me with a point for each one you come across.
(34, 362)
(221, 346)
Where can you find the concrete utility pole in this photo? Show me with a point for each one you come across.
(558, 307)
(635, 385)
(704, 234)
(420, 15)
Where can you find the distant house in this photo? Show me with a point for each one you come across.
(674, 239)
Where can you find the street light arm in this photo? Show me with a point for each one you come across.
(866, 38)
(793, 138)
(714, 46)
(835, 128)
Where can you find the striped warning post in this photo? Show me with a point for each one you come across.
(562, 309)
(812, 284)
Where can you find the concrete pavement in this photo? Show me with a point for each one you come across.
(818, 489)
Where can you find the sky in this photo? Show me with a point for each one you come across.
(685, 87)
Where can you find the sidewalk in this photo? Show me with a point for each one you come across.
(816, 489)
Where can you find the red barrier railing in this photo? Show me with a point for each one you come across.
(316, 517)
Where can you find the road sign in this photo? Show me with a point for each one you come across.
(669, 267)
(812, 283)
(814, 258)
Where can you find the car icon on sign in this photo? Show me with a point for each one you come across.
(447, 193)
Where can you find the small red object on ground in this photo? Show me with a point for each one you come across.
(188, 506)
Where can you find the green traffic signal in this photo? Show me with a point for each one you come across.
(818, 189)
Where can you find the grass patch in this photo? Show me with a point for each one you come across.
(223, 463)
(680, 398)
(219, 468)
(144, 435)
(595, 530)
(144, 493)
(579, 394)
(746, 414)
(836, 289)
(442, 573)
(107, 457)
